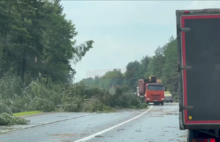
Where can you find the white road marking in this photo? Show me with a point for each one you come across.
(106, 130)
(32, 126)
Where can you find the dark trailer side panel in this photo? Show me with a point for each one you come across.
(200, 49)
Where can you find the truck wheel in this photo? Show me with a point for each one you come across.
(189, 135)
(161, 103)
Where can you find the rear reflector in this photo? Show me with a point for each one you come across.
(186, 11)
(203, 140)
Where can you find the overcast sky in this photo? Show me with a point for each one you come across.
(123, 31)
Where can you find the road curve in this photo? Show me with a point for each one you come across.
(160, 124)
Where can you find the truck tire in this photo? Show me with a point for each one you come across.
(161, 103)
(189, 136)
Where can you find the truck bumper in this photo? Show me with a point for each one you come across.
(154, 101)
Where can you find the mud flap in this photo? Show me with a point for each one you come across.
(181, 121)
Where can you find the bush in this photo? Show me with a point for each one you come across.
(128, 100)
(8, 119)
(10, 86)
(123, 98)
(108, 100)
(73, 103)
(43, 105)
(93, 105)
(176, 98)
(42, 96)
(4, 108)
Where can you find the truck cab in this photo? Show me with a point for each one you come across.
(154, 93)
(151, 90)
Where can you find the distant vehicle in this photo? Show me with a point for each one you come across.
(152, 90)
(168, 97)
(138, 92)
(198, 34)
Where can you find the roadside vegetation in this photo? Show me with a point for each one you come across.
(37, 48)
(8, 119)
(40, 96)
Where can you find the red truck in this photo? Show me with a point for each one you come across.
(152, 90)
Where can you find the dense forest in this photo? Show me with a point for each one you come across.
(36, 40)
(162, 65)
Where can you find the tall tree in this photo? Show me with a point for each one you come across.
(157, 62)
(170, 74)
(36, 39)
(132, 73)
(143, 69)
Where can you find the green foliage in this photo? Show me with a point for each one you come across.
(37, 40)
(93, 105)
(36, 96)
(132, 73)
(4, 108)
(111, 78)
(170, 74)
(73, 103)
(42, 96)
(8, 119)
(123, 98)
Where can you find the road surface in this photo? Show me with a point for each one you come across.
(155, 124)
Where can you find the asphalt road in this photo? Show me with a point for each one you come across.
(155, 124)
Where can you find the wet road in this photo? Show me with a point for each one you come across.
(159, 124)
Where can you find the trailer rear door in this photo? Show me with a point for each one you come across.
(200, 49)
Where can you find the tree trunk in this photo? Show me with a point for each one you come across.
(19, 68)
(4, 51)
(23, 65)
(2, 65)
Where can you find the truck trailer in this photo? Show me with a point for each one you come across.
(152, 90)
(198, 40)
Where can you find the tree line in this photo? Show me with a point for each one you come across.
(163, 65)
(38, 41)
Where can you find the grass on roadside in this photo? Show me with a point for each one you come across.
(27, 113)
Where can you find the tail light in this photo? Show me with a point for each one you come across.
(186, 12)
(203, 140)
